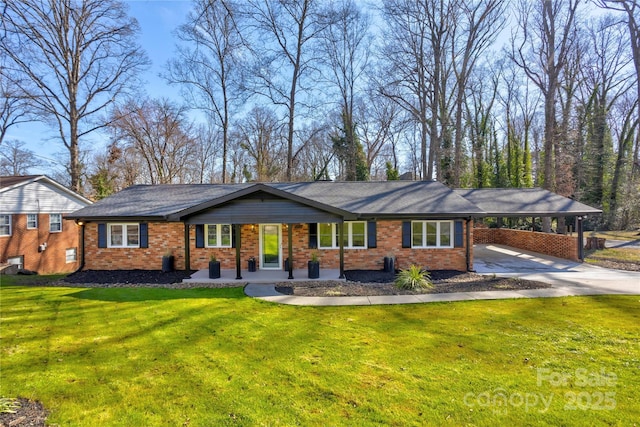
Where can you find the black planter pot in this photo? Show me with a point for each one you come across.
(252, 265)
(214, 269)
(286, 264)
(388, 265)
(167, 264)
(314, 269)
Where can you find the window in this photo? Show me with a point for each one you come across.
(55, 223)
(5, 225)
(123, 235)
(71, 255)
(218, 235)
(431, 234)
(16, 260)
(32, 221)
(355, 235)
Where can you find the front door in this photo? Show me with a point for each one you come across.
(270, 238)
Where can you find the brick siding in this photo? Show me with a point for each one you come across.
(557, 245)
(25, 242)
(170, 236)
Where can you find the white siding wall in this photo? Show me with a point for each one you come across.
(38, 197)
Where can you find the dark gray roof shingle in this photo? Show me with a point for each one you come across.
(387, 198)
(524, 202)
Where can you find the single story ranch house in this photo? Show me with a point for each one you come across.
(281, 226)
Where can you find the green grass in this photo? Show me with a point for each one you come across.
(614, 254)
(614, 235)
(205, 357)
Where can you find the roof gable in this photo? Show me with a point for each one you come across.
(38, 194)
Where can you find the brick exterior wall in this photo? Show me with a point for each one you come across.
(163, 236)
(25, 242)
(557, 245)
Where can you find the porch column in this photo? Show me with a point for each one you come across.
(290, 242)
(468, 226)
(580, 238)
(341, 237)
(237, 229)
(187, 248)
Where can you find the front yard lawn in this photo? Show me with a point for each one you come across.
(201, 357)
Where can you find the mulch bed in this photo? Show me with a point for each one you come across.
(358, 283)
(370, 283)
(29, 414)
(124, 278)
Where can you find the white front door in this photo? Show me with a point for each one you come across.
(270, 246)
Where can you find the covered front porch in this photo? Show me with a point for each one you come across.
(262, 276)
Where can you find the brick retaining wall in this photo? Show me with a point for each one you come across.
(556, 245)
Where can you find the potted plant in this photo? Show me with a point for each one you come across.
(389, 263)
(167, 262)
(252, 264)
(214, 267)
(314, 266)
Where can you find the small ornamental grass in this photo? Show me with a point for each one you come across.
(414, 278)
(8, 405)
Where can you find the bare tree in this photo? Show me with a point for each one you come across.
(416, 38)
(14, 107)
(378, 117)
(606, 79)
(260, 135)
(480, 23)
(76, 58)
(287, 31)
(208, 63)
(17, 160)
(158, 133)
(541, 48)
(345, 51)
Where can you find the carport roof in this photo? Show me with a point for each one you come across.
(524, 202)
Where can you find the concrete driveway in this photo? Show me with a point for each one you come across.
(567, 277)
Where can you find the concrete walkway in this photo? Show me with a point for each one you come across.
(567, 278)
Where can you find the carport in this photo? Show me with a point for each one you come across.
(532, 203)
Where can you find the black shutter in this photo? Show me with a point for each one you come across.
(102, 235)
(313, 235)
(459, 234)
(371, 235)
(406, 234)
(144, 235)
(199, 235)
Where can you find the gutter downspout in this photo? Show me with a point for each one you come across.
(81, 224)
(468, 252)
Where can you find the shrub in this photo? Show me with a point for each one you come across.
(413, 278)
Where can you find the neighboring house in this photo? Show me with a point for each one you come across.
(350, 225)
(35, 233)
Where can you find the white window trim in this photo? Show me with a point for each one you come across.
(424, 235)
(124, 234)
(218, 236)
(75, 255)
(5, 225)
(34, 227)
(349, 233)
(50, 223)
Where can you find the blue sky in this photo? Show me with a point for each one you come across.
(157, 19)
